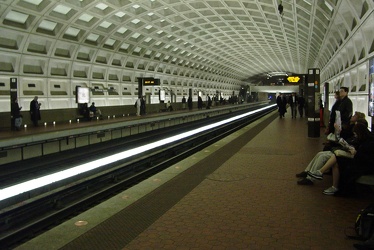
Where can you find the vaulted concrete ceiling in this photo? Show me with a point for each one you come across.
(234, 39)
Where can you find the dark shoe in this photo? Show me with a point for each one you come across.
(302, 174)
(305, 181)
(316, 175)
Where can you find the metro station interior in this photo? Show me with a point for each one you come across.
(247, 50)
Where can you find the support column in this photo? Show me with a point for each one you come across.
(313, 100)
(140, 87)
(13, 95)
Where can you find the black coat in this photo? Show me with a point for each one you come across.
(35, 110)
(346, 110)
(15, 110)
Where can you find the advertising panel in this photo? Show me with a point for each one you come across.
(162, 95)
(82, 95)
(371, 87)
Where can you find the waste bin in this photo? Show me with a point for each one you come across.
(314, 127)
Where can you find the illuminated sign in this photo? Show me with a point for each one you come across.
(293, 79)
(151, 81)
(82, 94)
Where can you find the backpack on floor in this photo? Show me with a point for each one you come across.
(364, 225)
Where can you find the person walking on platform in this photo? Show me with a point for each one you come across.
(35, 111)
(293, 103)
(16, 115)
(281, 103)
(301, 104)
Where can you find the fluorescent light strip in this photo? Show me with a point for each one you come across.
(58, 176)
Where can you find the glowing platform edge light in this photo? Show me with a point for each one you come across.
(29, 185)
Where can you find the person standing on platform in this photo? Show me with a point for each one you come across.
(16, 115)
(330, 127)
(189, 103)
(345, 108)
(142, 106)
(293, 103)
(199, 102)
(281, 103)
(184, 102)
(209, 103)
(35, 111)
(137, 106)
(301, 104)
(321, 111)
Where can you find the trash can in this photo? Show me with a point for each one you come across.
(314, 127)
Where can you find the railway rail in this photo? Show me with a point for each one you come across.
(25, 215)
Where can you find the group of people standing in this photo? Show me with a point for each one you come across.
(296, 103)
(16, 116)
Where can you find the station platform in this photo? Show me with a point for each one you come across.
(239, 193)
(48, 139)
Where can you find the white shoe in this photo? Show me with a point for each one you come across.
(330, 191)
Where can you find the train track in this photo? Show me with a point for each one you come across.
(30, 214)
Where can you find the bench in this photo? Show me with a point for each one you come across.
(164, 110)
(366, 180)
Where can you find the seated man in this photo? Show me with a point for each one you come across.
(169, 107)
(95, 112)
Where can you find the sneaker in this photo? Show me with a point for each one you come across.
(302, 175)
(316, 175)
(330, 191)
(305, 181)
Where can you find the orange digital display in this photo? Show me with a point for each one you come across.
(151, 81)
(293, 79)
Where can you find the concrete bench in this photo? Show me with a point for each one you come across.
(366, 180)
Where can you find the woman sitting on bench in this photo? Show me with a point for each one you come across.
(346, 170)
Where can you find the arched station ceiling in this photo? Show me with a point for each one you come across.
(240, 40)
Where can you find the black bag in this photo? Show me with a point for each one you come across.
(364, 225)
